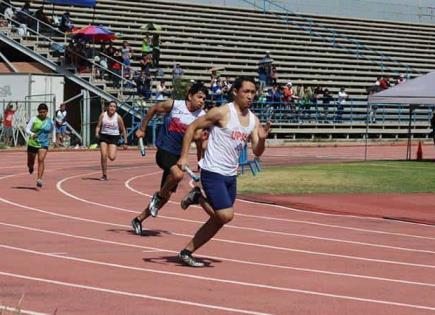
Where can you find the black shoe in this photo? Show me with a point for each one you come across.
(103, 178)
(188, 260)
(137, 226)
(192, 198)
(39, 183)
(30, 169)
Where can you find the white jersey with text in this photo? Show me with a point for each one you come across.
(110, 125)
(225, 144)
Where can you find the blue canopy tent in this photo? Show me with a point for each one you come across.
(81, 3)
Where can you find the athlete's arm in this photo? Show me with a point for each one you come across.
(29, 127)
(259, 136)
(161, 107)
(213, 117)
(98, 128)
(122, 129)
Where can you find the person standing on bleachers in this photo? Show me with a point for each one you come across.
(341, 102)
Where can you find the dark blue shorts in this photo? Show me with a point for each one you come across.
(220, 190)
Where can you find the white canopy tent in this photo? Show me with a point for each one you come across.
(413, 93)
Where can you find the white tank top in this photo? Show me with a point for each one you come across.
(110, 125)
(225, 144)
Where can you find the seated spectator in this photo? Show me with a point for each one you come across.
(162, 91)
(177, 72)
(273, 75)
(39, 15)
(66, 24)
(326, 101)
(143, 85)
(400, 79)
(384, 83)
(145, 63)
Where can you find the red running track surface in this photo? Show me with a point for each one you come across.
(69, 248)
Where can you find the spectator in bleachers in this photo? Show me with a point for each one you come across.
(4, 5)
(273, 75)
(117, 69)
(162, 91)
(41, 16)
(9, 15)
(66, 24)
(156, 50)
(275, 95)
(146, 45)
(177, 72)
(262, 76)
(289, 97)
(126, 53)
(400, 79)
(145, 63)
(384, 83)
(341, 102)
(143, 85)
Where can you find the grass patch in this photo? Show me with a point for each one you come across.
(358, 177)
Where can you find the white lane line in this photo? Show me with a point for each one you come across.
(129, 294)
(153, 249)
(231, 282)
(14, 310)
(229, 241)
(230, 226)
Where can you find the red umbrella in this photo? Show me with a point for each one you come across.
(94, 33)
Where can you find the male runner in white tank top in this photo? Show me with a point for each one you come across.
(231, 127)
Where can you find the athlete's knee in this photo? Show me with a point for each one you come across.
(177, 174)
(224, 217)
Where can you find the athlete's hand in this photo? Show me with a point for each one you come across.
(263, 130)
(182, 162)
(140, 133)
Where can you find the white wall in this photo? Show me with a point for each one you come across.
(35, 89)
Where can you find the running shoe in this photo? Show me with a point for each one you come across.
(103, 178)
(192, 198)
(188, 260)
(155, 204)
(137, 226)
(39, 183)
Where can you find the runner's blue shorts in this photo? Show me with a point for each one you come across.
(220, 190)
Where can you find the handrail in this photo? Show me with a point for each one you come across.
(64, 35)
(51, 41)
(76, 54)
(334, 33)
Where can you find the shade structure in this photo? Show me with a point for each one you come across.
(81, 3)
(94, 33)
(418, 91)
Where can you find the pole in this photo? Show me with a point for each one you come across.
(408, 147)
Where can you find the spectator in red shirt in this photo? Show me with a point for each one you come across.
(8, 116)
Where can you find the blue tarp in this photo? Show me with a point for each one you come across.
(81, 3)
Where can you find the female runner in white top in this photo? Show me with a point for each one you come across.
(109, 127)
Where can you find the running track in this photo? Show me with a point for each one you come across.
(68, 248)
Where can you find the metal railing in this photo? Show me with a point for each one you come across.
(333, 38)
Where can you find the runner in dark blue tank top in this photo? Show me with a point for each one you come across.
(179, 114)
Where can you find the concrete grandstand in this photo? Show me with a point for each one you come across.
(331, 52)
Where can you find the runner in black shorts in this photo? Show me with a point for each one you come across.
(179, 114)
(109, 127)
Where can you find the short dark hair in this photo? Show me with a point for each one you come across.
(238, 82)
(196, 88)
(42, 106)
(116, 104)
